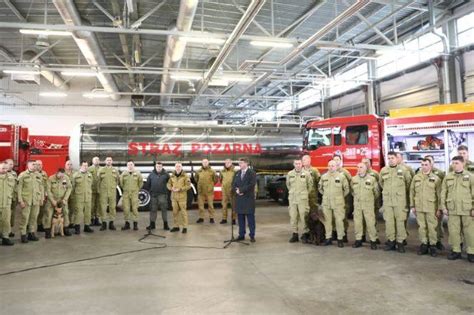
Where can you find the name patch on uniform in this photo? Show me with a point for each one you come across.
(338, 180)
(368, 183)
(465, 178)
(432, 180)
(399, 172)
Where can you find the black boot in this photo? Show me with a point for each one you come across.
(390, 245)
(344, 239)
(126, 226)
(340, 243)
(377, 241)
(400, 247)
(470, 258)
(175, 229)
(433, 251)
(97, 222)
(112, 226)
(454, 256)
(439, 245)
(294, 238)
(200, 220)
(233, 222)
(185, 230)
(152, 226)
(328, 242)
(88, 229)
(363, 240)
(32, 237)
(305, 238)
(357, 244)
(67, 231)
(135, 226)
(47, 233)
(334, 235)
(104, 226)
(166, 227)
(6, 242)
(423, 250)
(11, 234)
(77, 229)
(373, 245)
(211, 221)
(40, 228)
(223, 221)
(24, 239)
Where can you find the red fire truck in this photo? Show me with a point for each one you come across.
(415, 132)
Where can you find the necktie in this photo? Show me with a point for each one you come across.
(242, 175)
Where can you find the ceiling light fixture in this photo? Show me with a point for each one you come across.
(79, 73)
(177, 76)
(11, 71)
(52, 94)
(45, 32)
(96, 95)
(272, 44)
(204, 40)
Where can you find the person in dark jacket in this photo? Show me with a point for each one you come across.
(244, 187)
(156, 186)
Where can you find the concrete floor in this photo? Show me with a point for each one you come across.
(270, 276)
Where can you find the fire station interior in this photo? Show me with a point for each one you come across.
(266, 81)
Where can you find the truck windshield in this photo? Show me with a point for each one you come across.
(319, 137)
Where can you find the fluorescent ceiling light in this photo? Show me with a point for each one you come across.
(218, 82)
(96, 95)
(52, 94)
(79, 73)
(45, 32)
(21, 71)
(271, 44)
(186, 76)
(204, 40)
(237, 78)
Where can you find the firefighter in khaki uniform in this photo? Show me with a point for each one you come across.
(131, 182)
(315, 176)
(299, 184)
(395, 182)
(365, 190)
(179, 183)
(10, 171)
(425, 190)
(206, 178)
(30, 198)
(95, 204)
(334, 187)
(7, 190)
(227, 176)
(68, 208)
(82, 193)
(348, 200)
(108, 179)
(59, 190)
(44, 176)
(457, 201)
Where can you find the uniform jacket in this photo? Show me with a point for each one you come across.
(30, 188)
(94, 170)
(300, 185)
(365, 191)
(395, 183)
(245, 204)
(227, 175)
(82, 186)
(457, 193)
(313, 193)
(7, 190)
(131, 182)
(425, 190)
(206, 178)
(334, 187)
(108, 179)
(182, 182)
(59, 189)
(156, 183)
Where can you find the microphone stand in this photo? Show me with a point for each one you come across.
(232, 239)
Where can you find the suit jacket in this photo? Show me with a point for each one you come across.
(245, 204)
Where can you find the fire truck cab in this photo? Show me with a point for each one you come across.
(353, 138)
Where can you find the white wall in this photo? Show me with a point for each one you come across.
(58, 116)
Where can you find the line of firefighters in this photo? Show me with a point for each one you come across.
(428, 193)
(88, 197)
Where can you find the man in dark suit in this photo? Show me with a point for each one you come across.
(244, 187)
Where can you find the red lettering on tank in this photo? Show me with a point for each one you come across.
(206, 148)
(177, 149)
(195, 147)
(216, 148)
(247, 148)
(143, 147)
(257, 149)
(132, 148)
(227, 149)
(154, 148)
(237, 148)
(166, 149)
